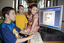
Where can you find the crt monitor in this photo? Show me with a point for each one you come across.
(51, 17)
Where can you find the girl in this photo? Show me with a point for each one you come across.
(33, 26)
(32, 16)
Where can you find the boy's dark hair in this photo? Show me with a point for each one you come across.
(20, 6)
(6, 10)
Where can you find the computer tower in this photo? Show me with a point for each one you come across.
(55, 36)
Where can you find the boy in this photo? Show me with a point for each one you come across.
(21, 20)
(9, 31)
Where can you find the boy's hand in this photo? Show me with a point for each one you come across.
(18, 37)
(31, 36)
(30, 33)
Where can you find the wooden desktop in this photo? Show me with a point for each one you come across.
(49, 41)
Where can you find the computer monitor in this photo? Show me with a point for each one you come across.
(51, 17)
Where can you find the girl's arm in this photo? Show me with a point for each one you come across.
(34, 22)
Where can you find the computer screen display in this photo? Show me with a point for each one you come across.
(51, 17)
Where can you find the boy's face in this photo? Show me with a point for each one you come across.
(21, 10)
(11, 15)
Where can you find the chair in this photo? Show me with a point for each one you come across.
(0, 41)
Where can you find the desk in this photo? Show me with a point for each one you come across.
(53, 42)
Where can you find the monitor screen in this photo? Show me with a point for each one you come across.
(51, 17)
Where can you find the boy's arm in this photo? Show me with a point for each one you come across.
(22, 32)
(25, 26)
(28, 33)
(24, 39)
(26, 21)
(10, 38)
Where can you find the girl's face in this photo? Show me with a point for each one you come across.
(34, 10)
(21, 10)
(11, 15)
